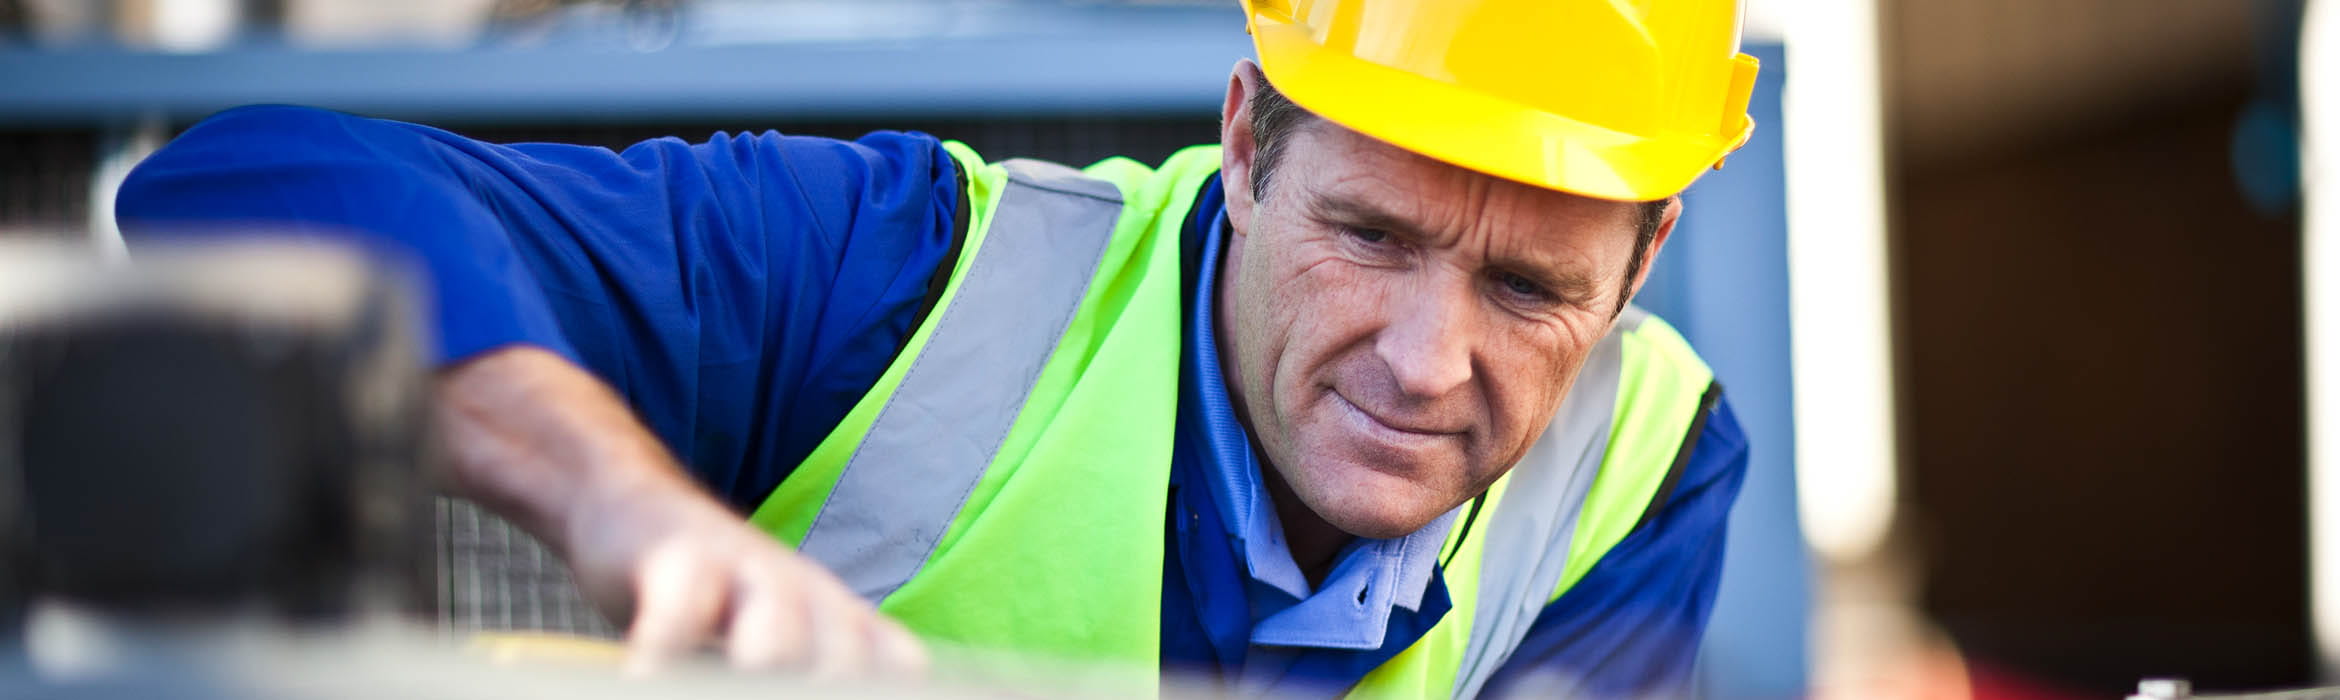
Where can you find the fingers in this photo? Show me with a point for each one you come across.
(769, 626)
(841, 645)
(839, 624)
(771, 610)
(898, 651)
(806, 619)
(674, 608)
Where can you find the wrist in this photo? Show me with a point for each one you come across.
(623, 484)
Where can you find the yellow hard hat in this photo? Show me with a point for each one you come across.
(1616, 99)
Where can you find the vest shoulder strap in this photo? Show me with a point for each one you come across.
(941, 426)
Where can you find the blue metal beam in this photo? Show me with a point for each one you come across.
(1114, 59)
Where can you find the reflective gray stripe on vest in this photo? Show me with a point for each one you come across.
(1558, 470)
(939, 431)
(1630, 321)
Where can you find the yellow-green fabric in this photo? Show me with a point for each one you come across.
(1057, 552)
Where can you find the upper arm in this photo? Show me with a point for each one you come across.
(733, 291)
(1631, 626)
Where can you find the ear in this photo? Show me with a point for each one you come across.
(1665, 230)
(1237, 145)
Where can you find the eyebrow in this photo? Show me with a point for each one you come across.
(1571, 285)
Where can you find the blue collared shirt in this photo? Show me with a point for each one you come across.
(742, 293)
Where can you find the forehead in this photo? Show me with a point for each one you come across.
(1336, 168)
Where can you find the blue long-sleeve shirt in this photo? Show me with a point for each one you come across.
(742, 293)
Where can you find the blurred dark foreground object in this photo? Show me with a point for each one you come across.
(212, 485)
(224, 431)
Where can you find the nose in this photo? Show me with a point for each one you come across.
(1427, 343)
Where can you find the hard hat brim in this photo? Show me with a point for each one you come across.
(1478, 131)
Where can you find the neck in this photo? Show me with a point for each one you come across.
(1314, 543)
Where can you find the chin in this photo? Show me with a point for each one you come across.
(1368, 502)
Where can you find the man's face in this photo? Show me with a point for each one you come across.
(1399, 330)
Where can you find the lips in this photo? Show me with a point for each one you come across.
(1390, 430)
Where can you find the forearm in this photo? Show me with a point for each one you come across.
(539, 440)
(546, 444)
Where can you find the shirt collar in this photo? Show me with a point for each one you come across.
(1370, 576)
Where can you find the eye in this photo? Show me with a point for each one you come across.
(1523, 287)
(1367, 235)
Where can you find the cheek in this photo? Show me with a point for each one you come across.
(1328, 307)
(1278, 313)
(1530, 372)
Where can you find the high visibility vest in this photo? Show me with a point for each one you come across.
(1004, 484)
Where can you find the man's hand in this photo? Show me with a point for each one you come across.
(542, 442)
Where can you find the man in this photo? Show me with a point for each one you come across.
(1253, 414)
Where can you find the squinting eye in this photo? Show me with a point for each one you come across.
(1369, 235)
(1522, 286)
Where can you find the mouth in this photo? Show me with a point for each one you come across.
(1397, 433)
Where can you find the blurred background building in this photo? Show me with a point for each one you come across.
(2093, 265)
(2007, 292)
(2097, 266)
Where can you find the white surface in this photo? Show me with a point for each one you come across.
(1764, 21)
(1838, 280)
(2320, 171)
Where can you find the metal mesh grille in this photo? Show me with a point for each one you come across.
(498, 578)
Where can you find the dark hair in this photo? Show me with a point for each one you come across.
(1274, 117)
